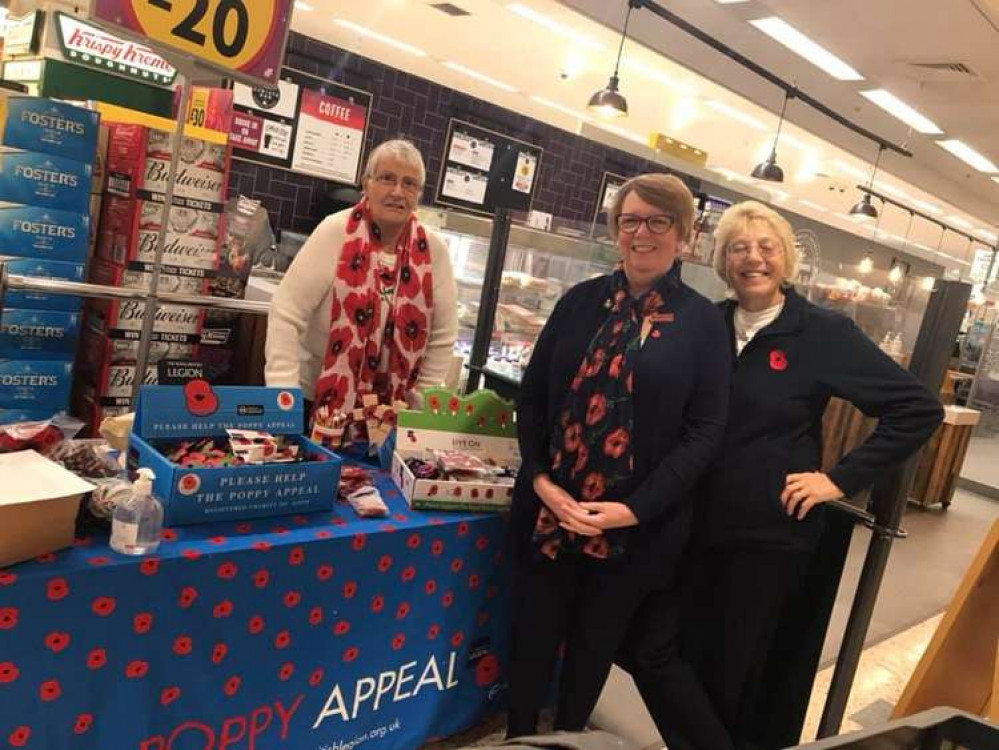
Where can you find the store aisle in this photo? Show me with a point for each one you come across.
(923, 570)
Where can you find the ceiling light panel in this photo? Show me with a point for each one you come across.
(377, 36)
(784, 33)
(968, 155)
(554, 26)
(480, 76)
(902, 111)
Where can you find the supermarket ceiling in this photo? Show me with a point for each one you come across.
(545, 58)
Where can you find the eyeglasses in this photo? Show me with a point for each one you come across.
(768, 249)
(659, 224)
(389, 180)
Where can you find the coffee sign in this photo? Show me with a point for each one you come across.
(89, 45)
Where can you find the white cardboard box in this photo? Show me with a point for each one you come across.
(38, 506)
(480, 424)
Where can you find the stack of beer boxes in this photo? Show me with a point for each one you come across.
(46, 170)
(138, 165)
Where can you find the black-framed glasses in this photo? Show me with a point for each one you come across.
(658, 224)
(390, 180)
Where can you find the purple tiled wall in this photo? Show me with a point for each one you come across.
(411, 107)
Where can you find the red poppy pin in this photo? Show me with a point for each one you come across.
(778, 360)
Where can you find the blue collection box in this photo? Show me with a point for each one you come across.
(166, 415)
(49, 127)
(43, 269)
(33, 232)
(38, 334)
(35, 385)
(43, 180)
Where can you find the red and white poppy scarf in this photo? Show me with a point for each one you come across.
(592, 446)
(380, 317)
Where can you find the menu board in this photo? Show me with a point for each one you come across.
(307, 124)
(484, 169)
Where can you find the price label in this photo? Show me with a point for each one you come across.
(233, 36)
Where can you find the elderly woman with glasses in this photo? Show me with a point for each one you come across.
(621, 408)
(369, 305)
(760, 506)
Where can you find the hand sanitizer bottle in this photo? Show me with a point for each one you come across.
(137, 522)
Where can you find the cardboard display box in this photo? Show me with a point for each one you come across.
(43, 269)
(130, 229)
(481, 424)
(48, 127)
(168, 414)
(43, 180)
(100, 345)
(35, 385)
(38, 334)
(136, 275)
(38, 506)
(44, 234)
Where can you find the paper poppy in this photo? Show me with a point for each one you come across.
(191, 553)
(398, 642)
(358, 542)
(447, 600)
(430, 586)
(7, 578)
(350, 654)
(384, 563)
(219, 651)
(324, 572)
(286, 671)
(98, 560)
(296, 556)
(413, 542)
(168, 535)
(97, 658)
(282, 639)
(19, 737)
(8, 617)
(437, 548)
(402, 611)
(377, 603)
(227, 571)
(182, 645)
(457, 639)
(103, 606)
(83, 723)
(463, 528)
(316, 677)
(778, 360)
(457, 564)
(315, 615)
(142, 623)
(341, 628)
(168, 695)
(261, 578)
(46, 557)
(292, 598)
(136, 668)
(481, 543)
(349, 589)
(408, 574)
(433, 631)
(256, 624)
(473, 581)
(261, 546)
(56, 641)
(243, 528)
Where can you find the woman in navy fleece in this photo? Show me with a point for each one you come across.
(760, 506)
(621, 408)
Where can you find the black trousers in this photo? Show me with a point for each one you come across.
(670, 688)
(736, 602)
(583, 603)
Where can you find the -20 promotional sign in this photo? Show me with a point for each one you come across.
(242, 38)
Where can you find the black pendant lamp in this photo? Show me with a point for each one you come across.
(769, 170)
(865, 206)
(608, 101)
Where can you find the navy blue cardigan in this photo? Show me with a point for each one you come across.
(681, 398)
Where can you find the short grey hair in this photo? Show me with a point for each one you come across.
(737, 218)
(397, 148)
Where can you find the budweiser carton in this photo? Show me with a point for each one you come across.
(99, 347)
(138, 275)
(112, 385)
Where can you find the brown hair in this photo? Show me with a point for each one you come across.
(664, 191)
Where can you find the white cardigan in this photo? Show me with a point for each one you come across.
(298, 326)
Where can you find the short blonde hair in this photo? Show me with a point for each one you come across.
(737, 218)
(664, 191)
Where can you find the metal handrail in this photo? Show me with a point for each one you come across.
(78, 289)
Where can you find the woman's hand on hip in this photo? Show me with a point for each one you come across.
(802, 492)
(569, 513)
(608, 515)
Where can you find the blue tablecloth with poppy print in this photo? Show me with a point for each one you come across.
(318, 631)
